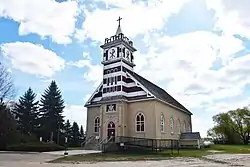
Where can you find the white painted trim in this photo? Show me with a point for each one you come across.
(138, 93)
(139, 100)
(127, 66)
(162, 123)
(136, 122)
(178, 127)
(128, 101)
(131, 94)
(97, 99)
(114, 74)
(141, 85)
(98, 124)
(171, 122)
(96, 91)
(116, 64)
(122, 83)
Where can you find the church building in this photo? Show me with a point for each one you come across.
(126, 104)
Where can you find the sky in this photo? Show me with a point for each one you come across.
(197, 50)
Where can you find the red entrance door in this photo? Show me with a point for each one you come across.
(111, 131)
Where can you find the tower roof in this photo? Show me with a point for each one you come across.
(119, 30)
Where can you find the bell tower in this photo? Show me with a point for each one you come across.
(117, 59)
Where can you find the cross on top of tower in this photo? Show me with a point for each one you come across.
(119, 21)
(119, 30)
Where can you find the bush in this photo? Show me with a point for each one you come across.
(35, 147)
(15, 138)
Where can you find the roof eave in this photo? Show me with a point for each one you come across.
(187, 112)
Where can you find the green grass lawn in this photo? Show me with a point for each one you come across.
(75, 148)
(149, 155)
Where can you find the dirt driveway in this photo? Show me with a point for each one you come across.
(39, 160)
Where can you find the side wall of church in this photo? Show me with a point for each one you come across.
(147, 108)
(169, 112)
(92, 113)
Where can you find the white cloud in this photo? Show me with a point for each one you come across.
(232, 17)
(201, 125)
(94, 72)
(46, 18)
(32, 59)
(183, 57)
(76, 113)
(138, 18)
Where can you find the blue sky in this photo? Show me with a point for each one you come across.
(199, 49)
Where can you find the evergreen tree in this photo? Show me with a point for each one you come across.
(51, 110)
(81, 132)
(82, 135)
(26, 112)
(7, 124)
(67, 127)
(75, 135)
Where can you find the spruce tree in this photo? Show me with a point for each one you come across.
(67, 127)
(26, 112)
(51, 110)
(75, 135)
(81, 132)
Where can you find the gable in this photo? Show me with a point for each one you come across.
(96, 96)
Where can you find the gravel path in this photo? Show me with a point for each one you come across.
(39, 160)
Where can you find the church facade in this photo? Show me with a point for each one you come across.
(126, 104)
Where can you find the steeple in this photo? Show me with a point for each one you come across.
(118, 48)
(119, 30)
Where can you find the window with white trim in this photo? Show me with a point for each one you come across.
(184, 126)
(179, 126)
(189, 127)
(162, 123)
(171, 126)
(140, 122)
(97, 125)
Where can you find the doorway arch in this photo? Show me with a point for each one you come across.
(111, 131)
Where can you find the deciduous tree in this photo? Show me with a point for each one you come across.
(232, 126)
(7, 90)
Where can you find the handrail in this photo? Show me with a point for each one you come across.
(103, 149)
(102, 141)
(87, 140)
(110, 138)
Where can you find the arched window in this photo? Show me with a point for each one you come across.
(172, 125)
(179, 126)
(184, 126)
(189, 127)
(97, 125)
(140, 122)
(162, 123)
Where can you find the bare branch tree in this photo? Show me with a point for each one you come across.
(7, 90)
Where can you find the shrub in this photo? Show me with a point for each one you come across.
(15, 138)
(35, 147)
